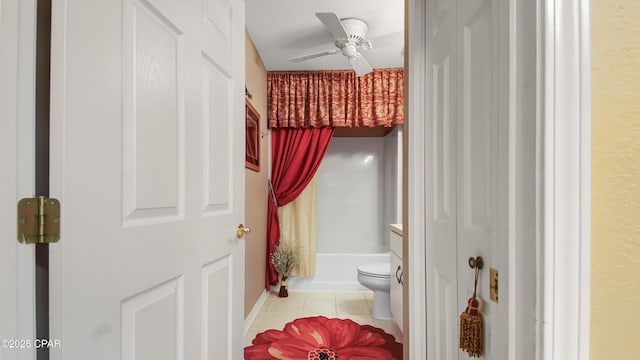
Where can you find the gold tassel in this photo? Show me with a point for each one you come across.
(471, 329)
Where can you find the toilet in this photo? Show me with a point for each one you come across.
(376, 277)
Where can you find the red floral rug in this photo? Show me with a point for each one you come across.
(321, 338)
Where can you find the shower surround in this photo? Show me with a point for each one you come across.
(359, 195)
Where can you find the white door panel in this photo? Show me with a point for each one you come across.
(153, 119)
(483, 159)
(8, 172)
(147, 125)
(442, 292)
(468, 164)
(17, 179)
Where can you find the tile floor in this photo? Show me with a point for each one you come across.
(356, 306)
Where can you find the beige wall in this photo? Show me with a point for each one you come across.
(615, 299)
(256, 185)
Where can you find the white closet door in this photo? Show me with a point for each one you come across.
(467, 155)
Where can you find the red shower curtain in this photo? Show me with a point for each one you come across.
(296, 154)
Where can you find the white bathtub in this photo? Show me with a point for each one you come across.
(336, 272)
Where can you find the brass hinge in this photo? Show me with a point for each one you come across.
(38, 220)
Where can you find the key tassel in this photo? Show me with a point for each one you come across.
(471, 325)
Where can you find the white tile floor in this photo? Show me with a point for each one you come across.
(356, 306)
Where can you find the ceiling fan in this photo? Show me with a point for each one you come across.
(349, 35)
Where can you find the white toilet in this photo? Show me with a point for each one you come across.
(376, 277)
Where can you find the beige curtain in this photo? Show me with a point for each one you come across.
(298, 227)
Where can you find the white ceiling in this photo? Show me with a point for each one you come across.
(282, 29)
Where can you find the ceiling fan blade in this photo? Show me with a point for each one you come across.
(333, 23)
(393, 39)
(360, 65)
(314, 55)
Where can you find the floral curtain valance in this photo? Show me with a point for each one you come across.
(305, 99)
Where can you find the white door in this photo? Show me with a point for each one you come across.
(17, 261)
(147, 158)
(468, 154)
(8, 172)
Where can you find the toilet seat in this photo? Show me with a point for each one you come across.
(375, 270)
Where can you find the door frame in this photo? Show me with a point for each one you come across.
(561, 270)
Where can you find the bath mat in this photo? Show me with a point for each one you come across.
(322, 338)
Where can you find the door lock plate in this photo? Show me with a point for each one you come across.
(493, 284)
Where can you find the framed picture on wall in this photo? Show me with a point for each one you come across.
(252, 148)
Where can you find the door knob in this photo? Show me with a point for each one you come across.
(476, 263)
(241, 230)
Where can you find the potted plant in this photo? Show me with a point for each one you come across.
(285, 258)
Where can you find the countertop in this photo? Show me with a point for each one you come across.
(396, 228)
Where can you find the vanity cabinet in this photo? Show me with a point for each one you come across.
(397, 271)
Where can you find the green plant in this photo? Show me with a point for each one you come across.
(285, 258)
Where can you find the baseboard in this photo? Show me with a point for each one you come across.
(248, 321)
(297, 283)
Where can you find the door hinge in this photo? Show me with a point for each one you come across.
(38, 220)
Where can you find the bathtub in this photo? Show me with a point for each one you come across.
(336, 272)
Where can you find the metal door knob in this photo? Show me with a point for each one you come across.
(477, 262)
(241, 230)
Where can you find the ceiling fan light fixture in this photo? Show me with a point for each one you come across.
(349, 50)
